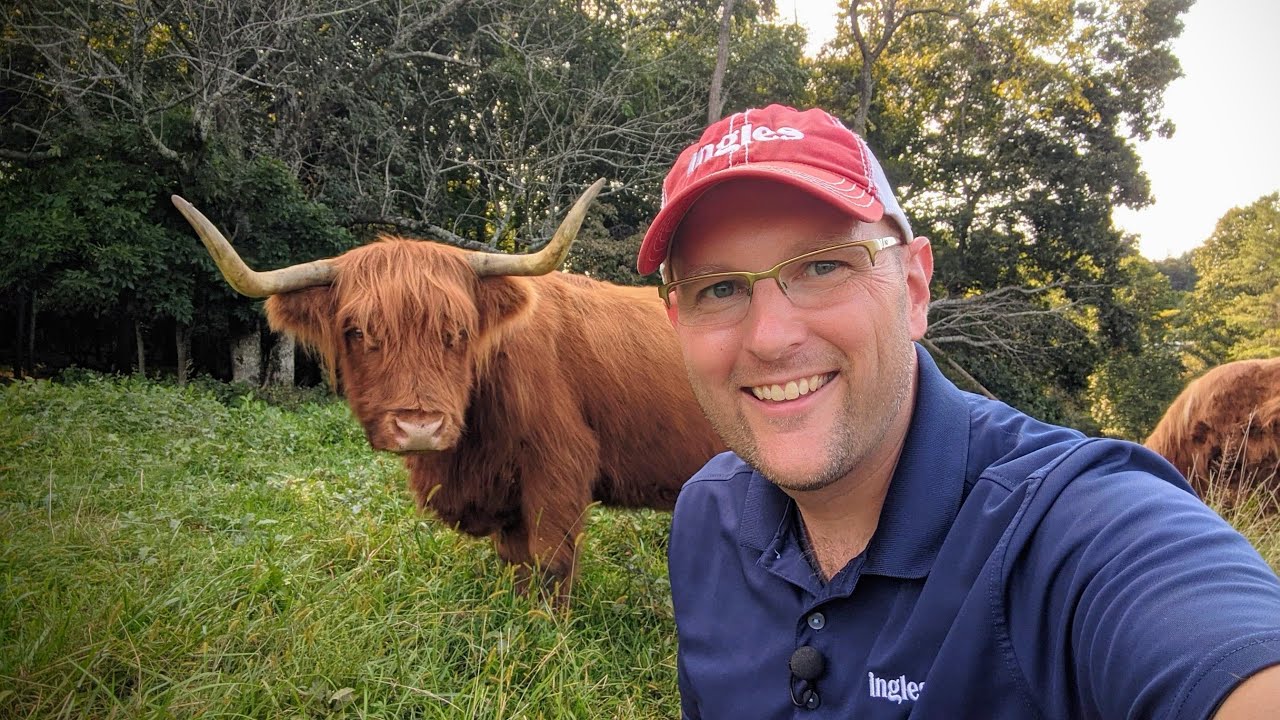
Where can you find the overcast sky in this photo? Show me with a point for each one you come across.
(1226, 150)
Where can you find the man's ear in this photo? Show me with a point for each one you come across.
(919, 276)
(308, 315)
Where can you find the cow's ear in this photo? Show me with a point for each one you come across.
(305, 314)
(500, 300)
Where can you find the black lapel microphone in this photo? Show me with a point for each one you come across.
(807, 665)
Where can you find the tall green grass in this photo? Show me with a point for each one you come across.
(165, 553)
(1246, 498)
(198, 552)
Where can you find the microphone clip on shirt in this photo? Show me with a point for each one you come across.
(807, 665)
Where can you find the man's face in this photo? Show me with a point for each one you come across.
(858, 345)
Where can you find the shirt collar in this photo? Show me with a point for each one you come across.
(924, 495)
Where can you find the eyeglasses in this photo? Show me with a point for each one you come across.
(722, 298)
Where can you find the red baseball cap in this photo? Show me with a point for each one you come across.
(810, 150)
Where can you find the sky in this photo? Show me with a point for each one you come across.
(1225, 152)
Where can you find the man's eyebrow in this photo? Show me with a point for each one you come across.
(825, 240)
(801, 247)
(707, 269)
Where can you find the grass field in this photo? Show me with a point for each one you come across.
(194, 552)
(165, 552)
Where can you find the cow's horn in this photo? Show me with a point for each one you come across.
(239, 276)
(550, 256)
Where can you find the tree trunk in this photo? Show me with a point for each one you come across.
(280, 362)
(715, 103)
(869, 50)
(141, 366)
(246, 358)
(182, 338)
(31, 335)
(20, 338)
(864, 98)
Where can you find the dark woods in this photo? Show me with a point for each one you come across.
(305, 129)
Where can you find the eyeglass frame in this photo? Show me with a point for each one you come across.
(872, 246)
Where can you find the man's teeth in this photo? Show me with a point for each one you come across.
(791, 390)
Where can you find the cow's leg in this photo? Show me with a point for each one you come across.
(555, 494)
(512, 544)
(554, 527)
(547, 552)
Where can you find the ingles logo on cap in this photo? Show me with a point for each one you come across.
(740, 139)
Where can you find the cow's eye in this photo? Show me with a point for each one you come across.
(355, 334)
(453, 338)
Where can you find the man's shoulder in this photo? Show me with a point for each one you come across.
(724, 467)
(726, 472)
(722, 481)
(1010, 448)
(1043, 476)
(712, 501)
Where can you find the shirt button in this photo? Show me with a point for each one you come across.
(817, 621)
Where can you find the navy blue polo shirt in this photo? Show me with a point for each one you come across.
(1019, 570)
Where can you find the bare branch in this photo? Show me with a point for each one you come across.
(431, 56)
(994, 320)
(28, 156)
(424, 229)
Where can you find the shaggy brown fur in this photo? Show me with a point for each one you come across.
(555, 391)
(1226, 425)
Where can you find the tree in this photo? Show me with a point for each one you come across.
(1234, 308)
(716, 98)
(1179, 270)
(472, 122)
(120, 105)
(1132, 388)
(872, 28)
(1008, 128)
(80, 237)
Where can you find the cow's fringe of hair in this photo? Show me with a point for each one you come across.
(382, 290)
(406, 297)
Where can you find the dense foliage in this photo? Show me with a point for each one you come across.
(305, 128)
(1234, 306)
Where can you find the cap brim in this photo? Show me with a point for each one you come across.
(835, 189)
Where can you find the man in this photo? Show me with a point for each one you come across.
(880, 544)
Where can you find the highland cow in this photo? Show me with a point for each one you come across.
(1225, 426)
(518, 396)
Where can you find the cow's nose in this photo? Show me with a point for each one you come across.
(419, 431)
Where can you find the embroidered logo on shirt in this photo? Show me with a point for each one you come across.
(894, 689)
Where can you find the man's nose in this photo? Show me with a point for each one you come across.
(773, 327)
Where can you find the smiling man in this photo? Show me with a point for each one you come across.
(879, 544)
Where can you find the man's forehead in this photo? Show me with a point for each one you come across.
(689, 257)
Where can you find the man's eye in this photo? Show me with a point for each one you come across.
(719, 291)
(822, 267)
